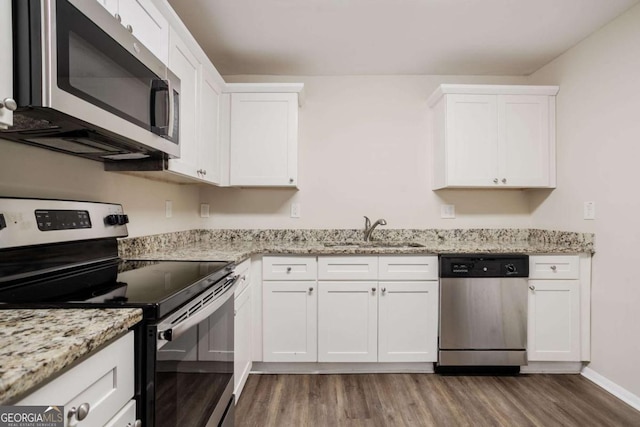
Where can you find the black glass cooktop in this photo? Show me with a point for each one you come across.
(158, 287)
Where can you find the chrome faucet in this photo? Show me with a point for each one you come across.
(368, 228)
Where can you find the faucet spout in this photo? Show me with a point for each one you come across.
(369, 228)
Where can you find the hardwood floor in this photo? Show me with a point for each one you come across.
(429, 400)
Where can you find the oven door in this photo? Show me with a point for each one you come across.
(194, 362)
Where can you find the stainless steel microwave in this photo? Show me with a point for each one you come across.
(86, 86)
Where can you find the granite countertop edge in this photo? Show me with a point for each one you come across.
(39, 344)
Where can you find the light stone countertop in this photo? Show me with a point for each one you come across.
(38, 344)
(238, 250)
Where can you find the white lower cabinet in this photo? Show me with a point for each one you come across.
(348, 322)
(408, 321)
(242, 339)
(554, 320)
(360, 318)
(125, 418)
(104, 382)
(290, 322)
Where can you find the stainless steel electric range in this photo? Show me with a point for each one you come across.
(58, 253)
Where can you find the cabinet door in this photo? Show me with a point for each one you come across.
(242, 340)
(290, 326)
(147, 24)
(209, 138)
(471, 139)
(554, 320)
(408, 323)
(524, 141)
(264, 139)
(348, 322)
(105, 381)
(185, 65)
(125, 418)
(6, 65)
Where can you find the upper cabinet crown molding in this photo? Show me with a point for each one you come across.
(492, 136)
(267, 88)
(444, 89)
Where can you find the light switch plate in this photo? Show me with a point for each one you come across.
(295, 210)
(204, 210)
(589, 210)
(447, 211)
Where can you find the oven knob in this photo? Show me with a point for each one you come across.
(123, 219)
(511, 268)
(111, 220)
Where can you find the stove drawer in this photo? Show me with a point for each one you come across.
(104, 381)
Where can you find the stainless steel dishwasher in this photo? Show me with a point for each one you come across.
(483, 310)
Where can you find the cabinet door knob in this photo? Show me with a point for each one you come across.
(288, 269)
(373, 290)
(383, 290)
(533, 288)
(136, 423)
(130, 28)
(311, 289)
(80, 413)
(118, 17)
(9, 103)
(291, 180)
(554, 268)
(504, 180)
(495, 180)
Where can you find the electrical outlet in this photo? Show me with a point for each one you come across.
(204, 210)
(168, 208)
(295, 210)
(447, 211)
(589, 210)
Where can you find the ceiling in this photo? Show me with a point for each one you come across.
(353, 37)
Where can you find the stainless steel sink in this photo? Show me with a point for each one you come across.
(380, 244)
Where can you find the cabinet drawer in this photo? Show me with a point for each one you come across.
(348, 268)
(243, 282)
(104, 381)
(289, 268)
(554, 267)
(408, 268)
(125, 418)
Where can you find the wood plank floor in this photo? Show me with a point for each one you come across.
(429, 400)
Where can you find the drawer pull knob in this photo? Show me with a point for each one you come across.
(373, 290)
(80, 413)
(288, 269)
(554, 268)
(495, 180)
(533, 288)
(383, 290)
(310, 289)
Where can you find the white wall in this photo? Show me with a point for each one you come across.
(35, 172)
(598, 134)
(363, 150)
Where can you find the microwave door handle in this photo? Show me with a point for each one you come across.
(160, 85)
(175, 331)
(170, 109)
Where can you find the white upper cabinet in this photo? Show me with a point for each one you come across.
(185, 65)
(144, 21)
(493, 136)
(6, 66)
(262, 135)
(209, 152)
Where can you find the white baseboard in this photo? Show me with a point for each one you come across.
(620, 392)
(339, 368)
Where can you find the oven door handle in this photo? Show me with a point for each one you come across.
(169, 332)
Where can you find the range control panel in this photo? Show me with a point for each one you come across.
(484, 266)
(25, 222)
(48, 220)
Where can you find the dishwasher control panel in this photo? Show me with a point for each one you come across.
(484, 265)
